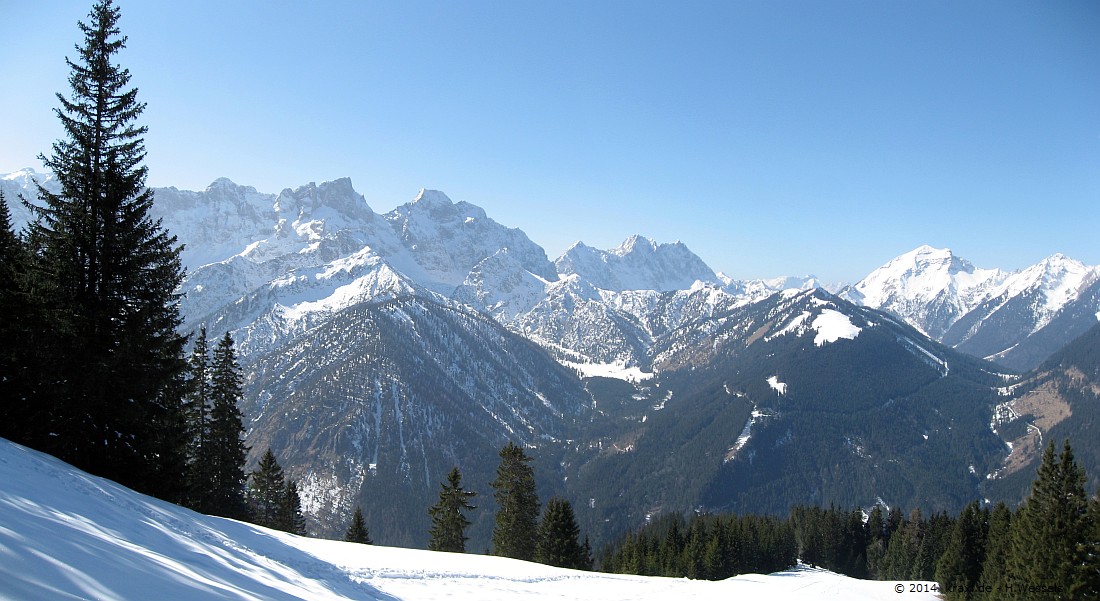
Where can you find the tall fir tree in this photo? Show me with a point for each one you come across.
(1049, 527)
(449, 524)
(16, 342)
(357, 531)
(1086, 580)
(266, 488)
(226, 433)
(998, 548)
(959, 568)
(559, 537)
(514, 534)
(197, 411)
(290, 518)
(106, 276)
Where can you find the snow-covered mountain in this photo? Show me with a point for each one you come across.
(67, 535)
(637, 264)
(989, 313)
(380, 350)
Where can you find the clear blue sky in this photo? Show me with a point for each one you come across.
(772, 137)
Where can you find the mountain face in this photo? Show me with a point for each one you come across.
(1058, 400)
(380, 350)
(800, 398)
(377, 403)
(638, 264)
(989, 313)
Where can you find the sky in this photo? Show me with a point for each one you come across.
(771, 137)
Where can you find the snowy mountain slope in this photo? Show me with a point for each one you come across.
(929, 288)
(802, 398)
(448, 240)
(637, 264)
(382, 399)
(67, 535)
(984, 312)
(22, 183)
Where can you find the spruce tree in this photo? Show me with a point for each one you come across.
(1086, 579)
(266, 490)
(106, 275)
(959, 569)
(290, 518)
(17, 415)
(998, 548)
(226, 433)
(197, 411)
(559, 537)
(449, 524)
(1049, 527)
(357, 531)
(514, 491)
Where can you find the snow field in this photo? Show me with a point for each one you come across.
(67, 535)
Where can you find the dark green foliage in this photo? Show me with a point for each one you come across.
(1086, 580)
(449, 524)
(104, 277)
(518, 505)
(959, 568)
(559, 537)
(290, 518)
(226, 433)
(1050, 526)
(266, 490)
(197, 412)
(998, 546)
(272, 500)
(709, 547)
(17, 415)
(832, 538)
(357, 531)
(1048, 550)
(214, 428)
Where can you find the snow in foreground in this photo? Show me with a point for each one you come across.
(67, 535)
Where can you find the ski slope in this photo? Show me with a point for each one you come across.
(65, 535)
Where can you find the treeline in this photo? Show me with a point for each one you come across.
(709, 547)
(1047, 548)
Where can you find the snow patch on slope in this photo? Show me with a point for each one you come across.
(779, 387)
(832, 325)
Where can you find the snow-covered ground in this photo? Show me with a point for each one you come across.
(67, 535)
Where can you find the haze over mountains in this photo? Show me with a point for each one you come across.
(382, 349)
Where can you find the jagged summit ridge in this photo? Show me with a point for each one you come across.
(639, 263)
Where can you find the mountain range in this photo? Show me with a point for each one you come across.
(381, 349)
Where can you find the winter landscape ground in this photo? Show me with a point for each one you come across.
(67, 535)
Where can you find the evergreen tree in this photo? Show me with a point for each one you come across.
(266, 491)
(1049, 526)
(106, 275)
(449, 525)
(876, 541)
(514, 490)
(959, 569)
(998, 547)
(357, 530)
(17, 415)
(290, 518)
(1086, 580)
(226, 434)
(197, 411)
(559, 537)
